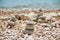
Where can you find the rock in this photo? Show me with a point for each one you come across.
(53, 24)
(58, 14)
(4, 18)
(42, 19)
(13, 19)
(49, 15)
(45, 25)
(40, 10)
(10, 25)
(24, 17)
(29, 29)
(18, 17)
(58, 38)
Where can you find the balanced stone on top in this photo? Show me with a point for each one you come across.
(29, 29)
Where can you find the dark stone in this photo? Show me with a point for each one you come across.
(18, 17)
(29, 34)
(13, 19)
(40, 10)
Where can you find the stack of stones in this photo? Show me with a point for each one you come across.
(29, 29)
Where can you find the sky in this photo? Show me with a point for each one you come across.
(45, 3)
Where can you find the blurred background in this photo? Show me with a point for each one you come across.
(45, 4)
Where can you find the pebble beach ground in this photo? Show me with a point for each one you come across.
(13, 24)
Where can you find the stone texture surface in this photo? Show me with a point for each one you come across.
(12, 28)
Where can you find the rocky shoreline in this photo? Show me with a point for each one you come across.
(40, 25)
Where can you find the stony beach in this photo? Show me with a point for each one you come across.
(29, 24)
